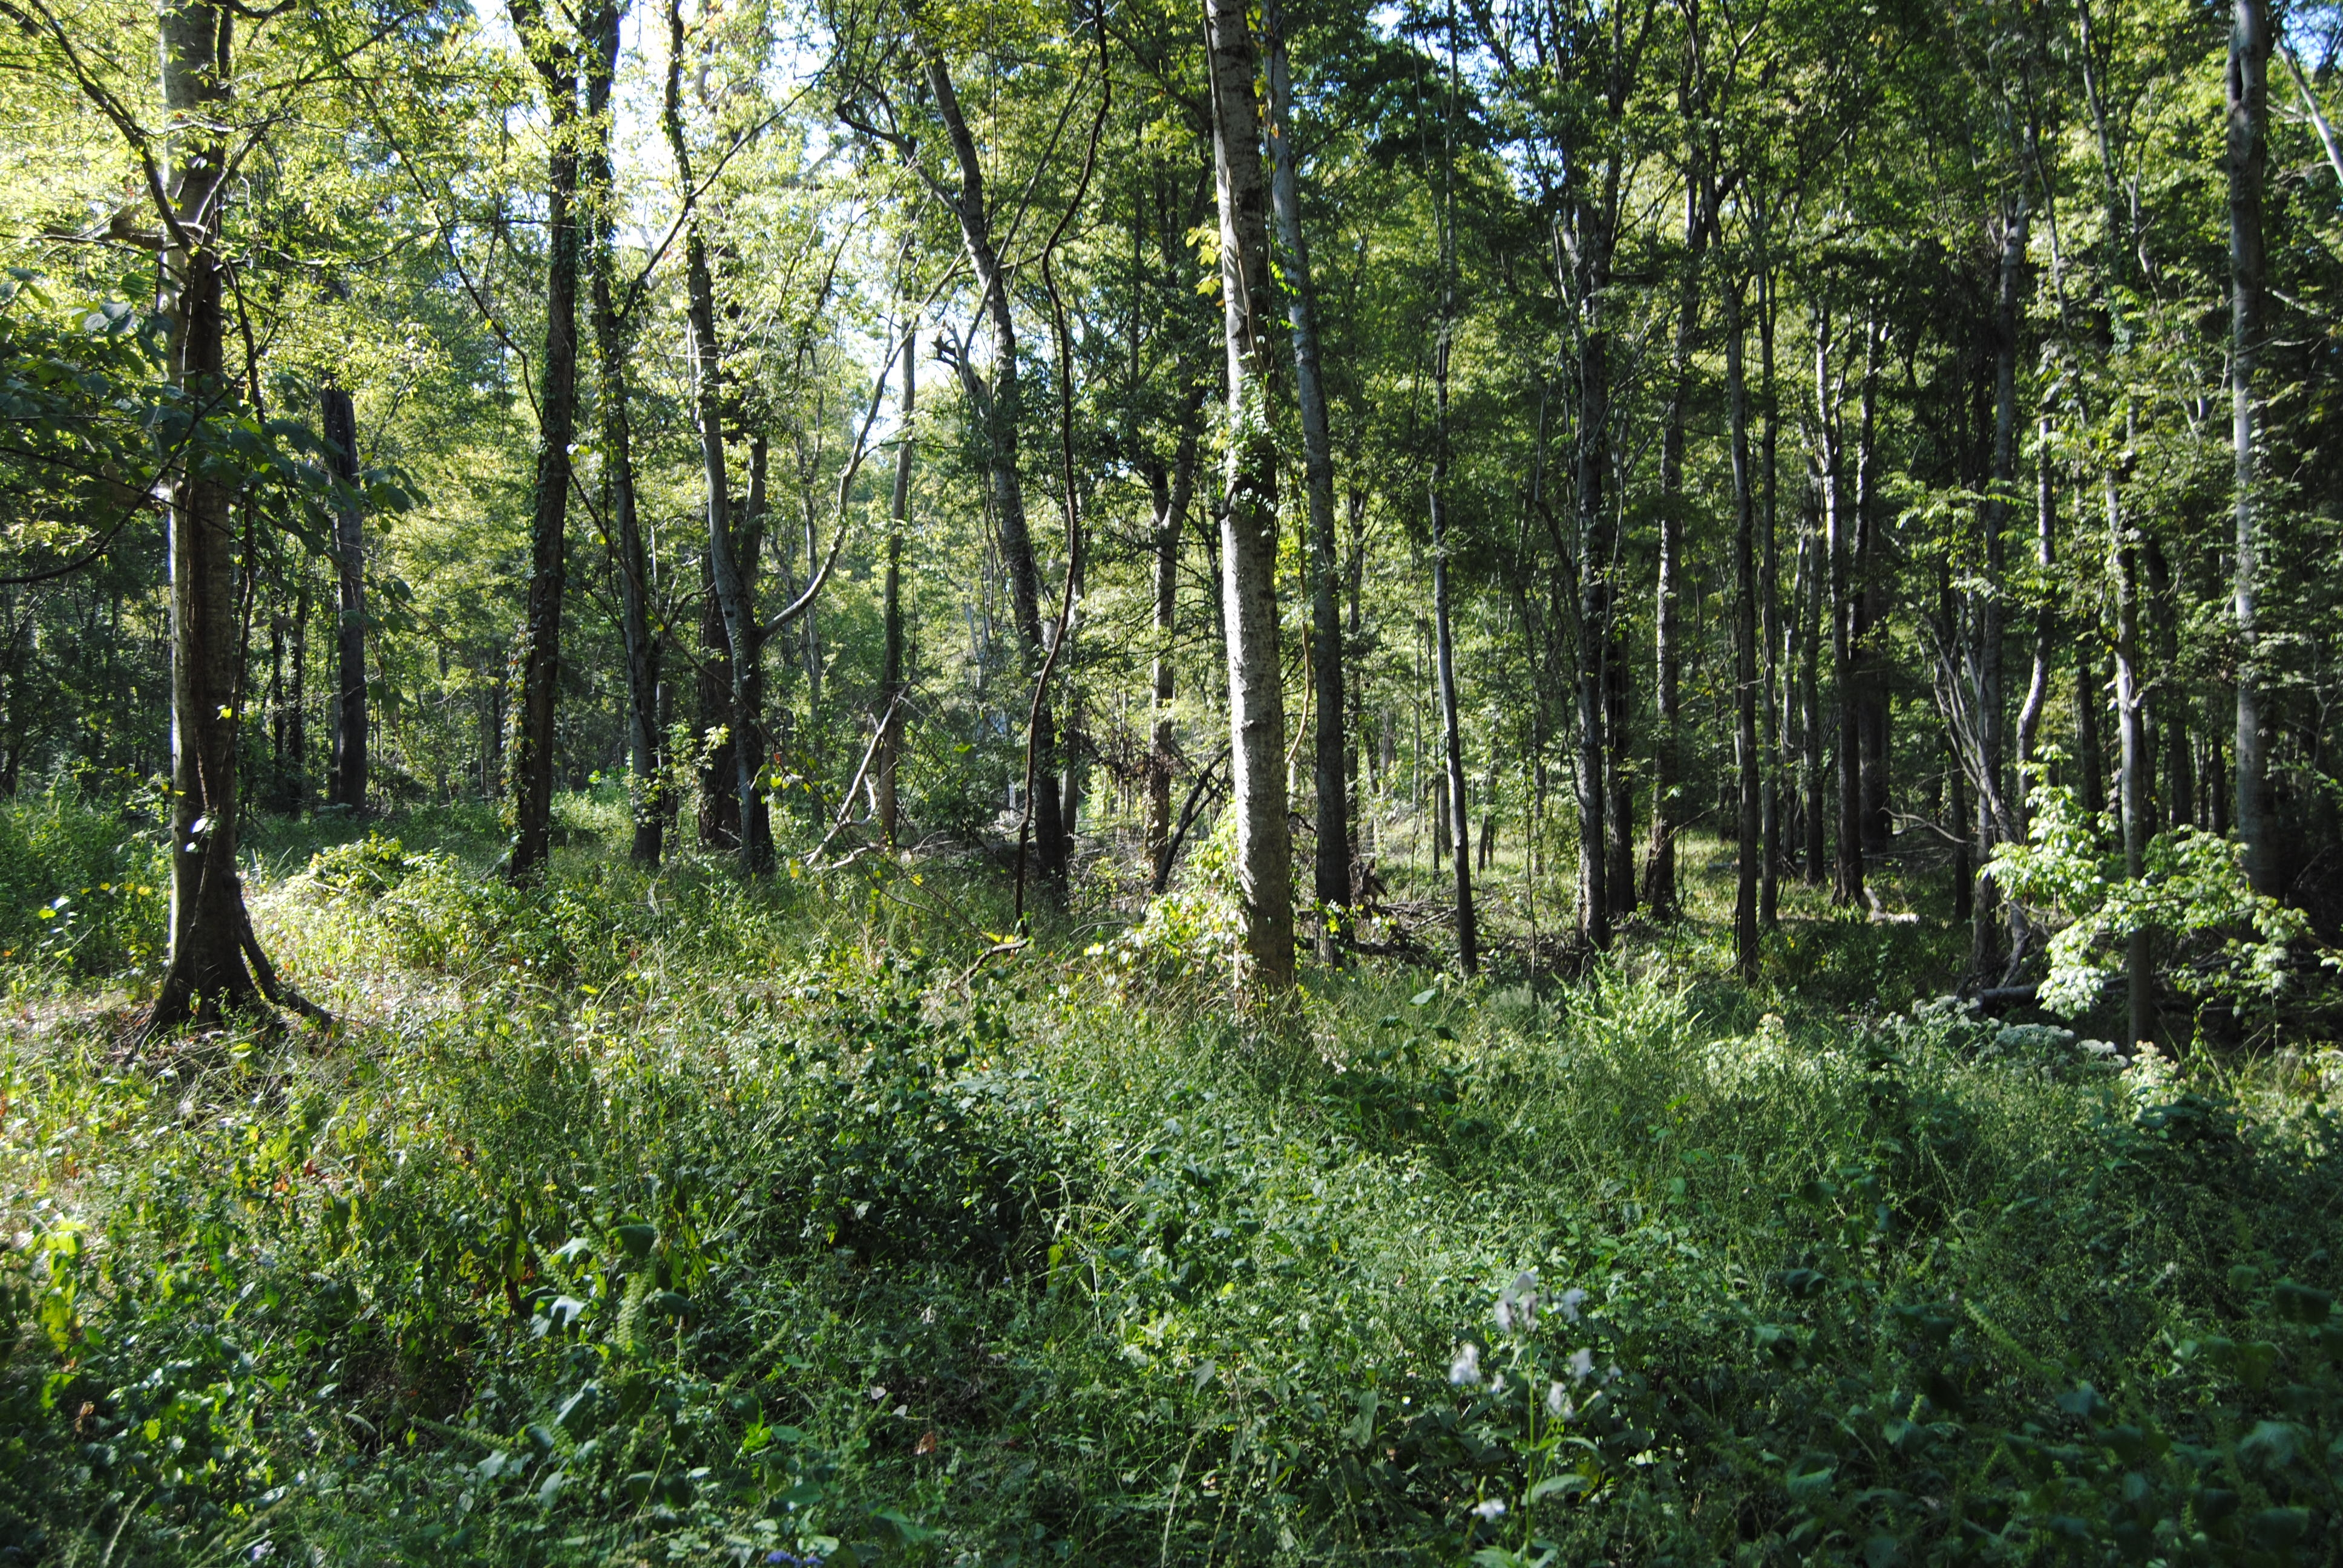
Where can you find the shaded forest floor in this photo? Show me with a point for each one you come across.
(649, 1219)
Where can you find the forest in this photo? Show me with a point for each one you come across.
(1514, 782)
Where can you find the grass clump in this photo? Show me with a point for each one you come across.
(645, 1218)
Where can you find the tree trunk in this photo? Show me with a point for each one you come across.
(892, 686)
(1330, 882)
(1249, 523)
(2090, 698)
(1173, 492)
(2250, 46)
(533, 738)
(1809, 605)
(1988, 682)
(1871, 600)
(1459, 821)
(2170, 712)
(2139, 972)
(1459, 813)
(1744, 642)
(996, 408)
(1847, 885)
(2045, 631)
(611, 394)
(719, 802)
(1667, 756)
(1593, 603)
(348, 785)
(296, 719)
(1769, 611)
(206, 971)
(726, 573)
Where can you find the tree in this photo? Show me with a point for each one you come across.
(348, 786)
(2249, 48)
(1330, 864)
(1249, 516)
(554, 60)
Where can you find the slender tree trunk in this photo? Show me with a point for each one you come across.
(726, 573)
(612, 393)
(996, 408)
(1459, 812)
(2140, 971)
(1744, 641)
(1332, 864)
(349, 776)
(1667, 751)
(297, 699)
(2250, 46)
(719, 802)
(1809, 598)
(2090, 698)
(1769, 607)
(1459, 821)
(1249, 522)
(206, 971)
(1172, 491)
(1593, 602)
(534, 735)
(2045, 631)
(1989, 681)
(1847, 887)
(2168, 711)
(1871, 600)
(892, 686)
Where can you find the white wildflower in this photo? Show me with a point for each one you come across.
(1557, 1404)
(1466, 1367)
(1581, 1365)
(1490, 1507)
(1504, 1316)
(1568, 1305)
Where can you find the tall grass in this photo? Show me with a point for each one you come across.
(647, 1219)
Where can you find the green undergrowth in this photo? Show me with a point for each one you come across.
(640, 1221)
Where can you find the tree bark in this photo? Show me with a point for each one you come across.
(1871, 601)
(1459, 816)
(1249, 521)
(1770, 692)
(1988, 681)
(1667, 761)
(206, 971)
(2045, 631)
(996, 408)
(2250, 46)
(1847, 884)
(1173, 490)
(1593, 540)
(1809, 595)
(348, 779)
(534, 736)
(1332, 862)
(2090, 698)
(892, 687)
(2140, 971)
(612, 393)
(726, 574)
(1744, 642)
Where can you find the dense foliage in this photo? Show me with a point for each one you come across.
(637, 1218)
